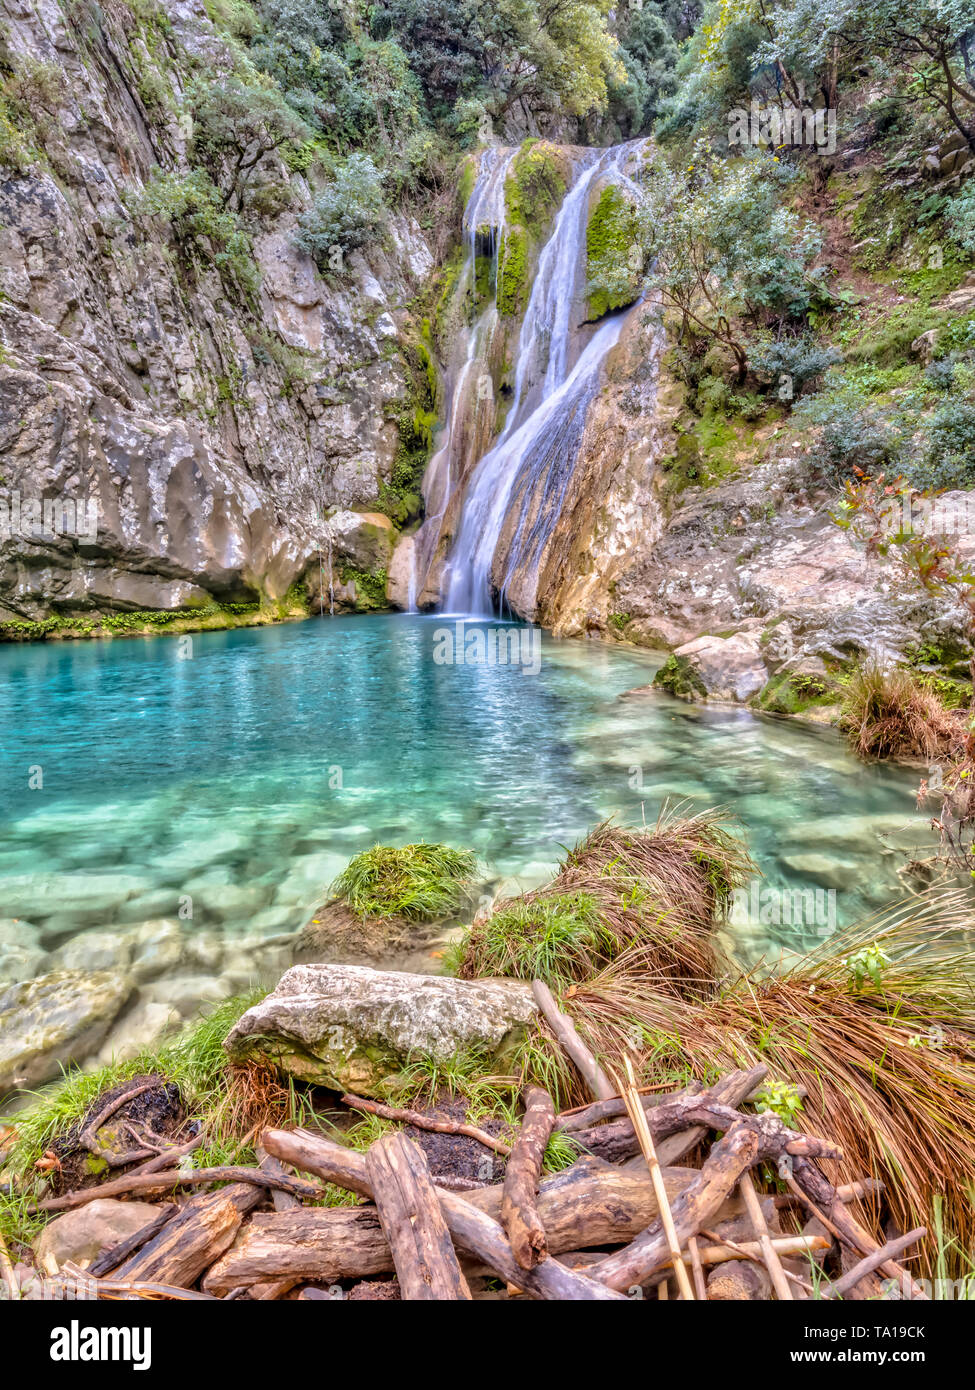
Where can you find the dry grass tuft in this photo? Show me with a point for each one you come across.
(877, 1026)
(887, 714)
(658, 891)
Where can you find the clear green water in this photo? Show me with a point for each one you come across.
(245, 777)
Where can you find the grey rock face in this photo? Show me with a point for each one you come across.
(208, 434)
(348, 1027)
(753, 562)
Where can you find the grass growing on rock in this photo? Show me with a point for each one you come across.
(891, 714)
(661, 890)
(419, 882)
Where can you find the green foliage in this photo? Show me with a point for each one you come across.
(867, 964)
(534, 188)
(678, 677)
(650, 55)
(236, 124)
(547, 938)
(949, 459)
(791, 364)
(552, 57)
(420, 882)
(853, 435)
(960, 219)
(779, 1098)
(194, 207)
(349, 214)
(370, 587)
(725, 253)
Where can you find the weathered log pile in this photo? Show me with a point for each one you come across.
(623, 1220)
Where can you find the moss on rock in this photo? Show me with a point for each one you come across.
(614, 270)
(678, 677)
(534, 188)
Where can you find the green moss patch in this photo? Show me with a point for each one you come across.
(613, 266)
(678, 677)
(793, 694)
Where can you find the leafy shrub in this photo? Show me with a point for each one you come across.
(348, 214)
(235, 125)
(852, 436)
(949, 460)
(800, 360)
(960, 218)
(193, 206)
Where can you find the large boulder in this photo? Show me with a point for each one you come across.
(83, 1234)
(60, 1017)
(348, 1027)
(729, 669)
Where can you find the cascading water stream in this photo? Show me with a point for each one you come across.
(530, 465)
(485, 208)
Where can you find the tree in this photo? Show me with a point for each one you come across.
(933, 39)
(235, 125)
(546, 55)
(723, 251)
(650, 55)
(349, 214)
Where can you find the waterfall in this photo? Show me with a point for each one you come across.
(485, 209)
(524, 476)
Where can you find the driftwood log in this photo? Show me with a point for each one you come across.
(519, 1204)
(738, 1281)
(569, 1040)
(144, 1182)
(587, 1204)
(413, 1222)
(428, 1122)
(693, 1208)
(281, 1201)
(110, 1259)
(472, 1229)
(188, 1244)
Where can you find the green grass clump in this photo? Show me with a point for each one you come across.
(419, 882)
(546, 938)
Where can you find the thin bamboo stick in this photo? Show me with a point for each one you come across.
(639, 1121)
(697, 1269)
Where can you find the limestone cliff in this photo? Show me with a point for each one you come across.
(212, 426)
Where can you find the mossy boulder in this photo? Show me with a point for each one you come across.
(728, 669)
(614, 259)
(350, 1028)
(533, 190)
(791, 692)
(678, 677)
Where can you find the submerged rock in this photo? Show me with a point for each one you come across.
(349, 1027)
(54, 1019)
